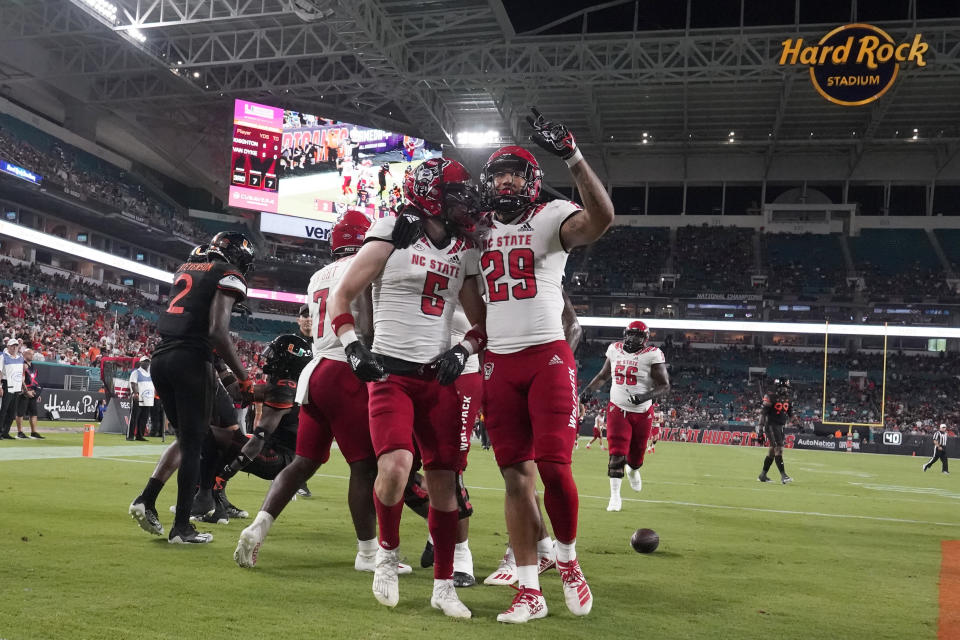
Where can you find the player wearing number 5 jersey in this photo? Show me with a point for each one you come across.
(639, 374)
(195, 322)
(530, 376)
(775, 412)
(411, 366)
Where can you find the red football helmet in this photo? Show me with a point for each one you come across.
(425, 186)
(348, 233)
(635, 336)
(515, 160)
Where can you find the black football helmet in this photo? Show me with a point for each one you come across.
(286, 356)
(781, 387)
(199, 253)
(234, 248)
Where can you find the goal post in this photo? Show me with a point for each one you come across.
(883, 385)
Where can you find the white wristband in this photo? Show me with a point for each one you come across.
(574, 159)
(466, 344)
(348, 337)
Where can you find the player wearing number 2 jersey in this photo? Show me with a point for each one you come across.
(411, 365)
(530, 376)
(333, 405)
(639, 374)
(195, 322)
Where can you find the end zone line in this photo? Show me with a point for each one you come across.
(949, 623)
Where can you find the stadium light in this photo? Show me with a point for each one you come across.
(105, 9)
(137, 35)
(477, 138)
(914, 331)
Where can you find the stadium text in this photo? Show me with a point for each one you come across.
(854, 64)
(869, 52)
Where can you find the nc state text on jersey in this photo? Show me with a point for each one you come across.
(515, 240)
(442, 268)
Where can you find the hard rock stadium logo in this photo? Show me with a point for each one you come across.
(854, 64)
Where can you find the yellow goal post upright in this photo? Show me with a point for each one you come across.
(883, 385)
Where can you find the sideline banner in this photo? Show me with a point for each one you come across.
(69, 405)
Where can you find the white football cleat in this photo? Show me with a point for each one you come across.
(386, 586)
(368, 562)
(576, 592)
(528, 604)
(614, 504)
(506, 573)
(547, 561)
(446, 599)
(633, 475)
(248, 547)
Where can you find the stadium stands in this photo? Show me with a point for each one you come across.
(803, 263)
(86, 177)
(713, 258)
(898, 262)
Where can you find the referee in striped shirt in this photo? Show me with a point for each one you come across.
(939, 449)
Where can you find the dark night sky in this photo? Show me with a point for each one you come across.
(671, 14)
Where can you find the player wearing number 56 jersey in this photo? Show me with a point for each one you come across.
(776, 410)
(195, 322)
(530, 376)
(639, 374)
(411, 365)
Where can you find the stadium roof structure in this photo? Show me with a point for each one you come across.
(627, 85)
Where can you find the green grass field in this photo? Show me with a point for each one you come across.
(850, 550)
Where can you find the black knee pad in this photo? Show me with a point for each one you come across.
(415, 496)
(615, 466)
(464, 508)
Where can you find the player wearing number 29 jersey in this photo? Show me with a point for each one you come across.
(530, 375)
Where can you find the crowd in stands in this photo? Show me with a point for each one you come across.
(715, 258)
(624, 259)
(32, 275)
(88, 178)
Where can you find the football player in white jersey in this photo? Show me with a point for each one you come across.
(411, 365)
(333, 405)
(639, 375)
(530, 375)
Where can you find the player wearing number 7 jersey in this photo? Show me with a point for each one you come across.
(411, 365)
(639, 375)
(530, 376)
(333, 405)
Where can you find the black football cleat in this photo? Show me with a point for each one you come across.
(233, 511)
(784, 479)
(462, 580)
(426, 558)
(188, 535)
(764, 478)
(146, 517)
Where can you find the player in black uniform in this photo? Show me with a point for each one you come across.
(776, 411)
(195, 322)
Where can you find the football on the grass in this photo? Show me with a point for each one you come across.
(645, 540)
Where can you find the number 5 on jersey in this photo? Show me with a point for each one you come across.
(432, 303)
